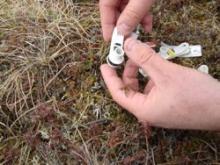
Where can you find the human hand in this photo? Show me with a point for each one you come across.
(175, 97)
(126, 14)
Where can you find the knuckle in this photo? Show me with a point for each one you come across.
(133, 14)
(145, 56)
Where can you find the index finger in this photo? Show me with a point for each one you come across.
(108, 11)
(132, 15)
(131, 100)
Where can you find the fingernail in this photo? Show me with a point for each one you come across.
(130, 44)
(124, 28)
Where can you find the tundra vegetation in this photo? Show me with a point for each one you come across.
(54, 106)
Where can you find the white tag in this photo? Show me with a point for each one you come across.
(195, 51)
(183, 50)
(116, 54)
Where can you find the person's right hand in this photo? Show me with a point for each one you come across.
(126, 15)
(175, 97)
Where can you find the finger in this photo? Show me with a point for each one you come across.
(130, 75)
(132, 15)
(127, 98)
(146, 58)
(147, 23)
(109, 12)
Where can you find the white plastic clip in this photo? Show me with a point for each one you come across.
(204, 69)
(182, 50)
(116, 54)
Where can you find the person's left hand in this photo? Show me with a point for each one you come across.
(126, 15)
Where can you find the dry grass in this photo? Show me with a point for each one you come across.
(54, 107)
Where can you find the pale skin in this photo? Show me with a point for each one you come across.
(125, 14)
(176, 97)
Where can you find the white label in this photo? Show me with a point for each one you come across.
(182, 50)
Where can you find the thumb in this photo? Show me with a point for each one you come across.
(132, 15)
(146, 58)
